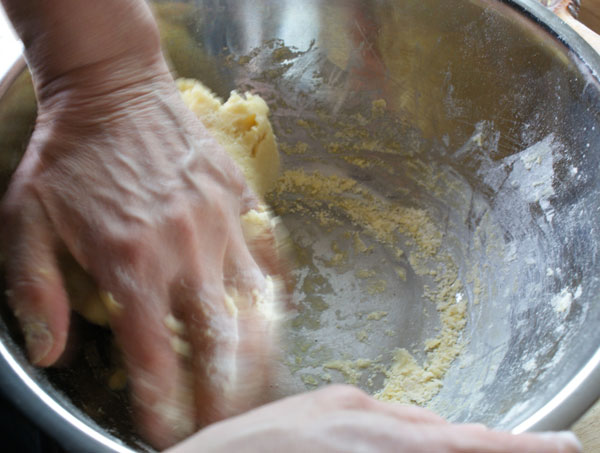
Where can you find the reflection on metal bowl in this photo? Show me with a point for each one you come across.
(471, 127)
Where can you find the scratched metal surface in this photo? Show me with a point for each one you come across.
(499, 108)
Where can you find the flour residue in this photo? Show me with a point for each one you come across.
(334, 200)
(532, 172)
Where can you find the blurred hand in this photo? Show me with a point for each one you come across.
(120, 174)
(344, 419)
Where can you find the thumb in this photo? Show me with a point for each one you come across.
(36, 293)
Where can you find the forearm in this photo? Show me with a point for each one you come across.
(75, 37)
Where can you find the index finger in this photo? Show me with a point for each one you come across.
(479, 439)
(159, 383)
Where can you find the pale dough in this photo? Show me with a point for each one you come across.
(241, 125)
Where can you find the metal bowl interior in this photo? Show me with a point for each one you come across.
(491, 125)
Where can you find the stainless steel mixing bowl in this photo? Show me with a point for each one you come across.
(491, 114)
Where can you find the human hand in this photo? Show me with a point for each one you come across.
(124, 178)
(344, 419)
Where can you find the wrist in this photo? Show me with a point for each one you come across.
(70, 42)
(108, 85)
(122, 103)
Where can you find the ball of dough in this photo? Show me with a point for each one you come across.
(241, 125)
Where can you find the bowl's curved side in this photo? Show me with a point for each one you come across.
(49, 411)
(584, 389)
(571, 403)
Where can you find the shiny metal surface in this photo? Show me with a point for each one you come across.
(494, 108)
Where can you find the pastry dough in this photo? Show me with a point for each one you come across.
(241, 125)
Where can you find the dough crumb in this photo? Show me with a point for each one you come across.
(377, 315)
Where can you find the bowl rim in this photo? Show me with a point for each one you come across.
(560, 412)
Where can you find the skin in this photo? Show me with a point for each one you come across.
(122, 176)
(344, 419)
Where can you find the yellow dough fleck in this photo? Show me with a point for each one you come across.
(112, 306)
(175, 325)
(365, 273)
(407, 382)
(378, 107)
(377, 315)
(351, 369)
(181, 346)
(118, 379)
(231, 306)
(362, 336)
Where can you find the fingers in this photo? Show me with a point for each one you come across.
(240, 270)
(258, 227)
(429, 432)
(211, 323)
(36, 292)
(351, 398)
(260, 305)
(231, 337)
(160, 384)
(210, 316)
(455, 438)
(401, 412)
(411, 414)
(477, 438)
(268, 242)
(249, 200)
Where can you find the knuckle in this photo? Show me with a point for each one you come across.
(211, 198)
(232, 177)
(233, 174)
(181, 225)
(132, 250)
(27, 293)
(347, 396)
(249, 199)
(238, 182)
(150, 359)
